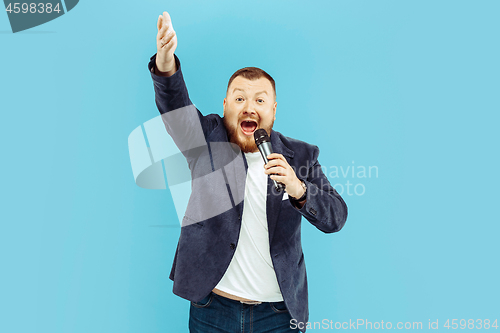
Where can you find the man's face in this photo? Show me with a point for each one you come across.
(249, 105)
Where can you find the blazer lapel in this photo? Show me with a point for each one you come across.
(273, 203)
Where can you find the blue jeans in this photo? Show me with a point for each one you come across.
(216, 314)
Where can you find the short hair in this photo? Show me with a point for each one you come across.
(252, 73)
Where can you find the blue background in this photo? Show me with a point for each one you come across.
(409, 87)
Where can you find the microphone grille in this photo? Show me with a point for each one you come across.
(260, 136)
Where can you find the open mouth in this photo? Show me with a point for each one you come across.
(248, 127)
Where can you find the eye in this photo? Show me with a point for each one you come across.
(260, 100)
(239, 99)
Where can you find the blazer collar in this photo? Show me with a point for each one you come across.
(278, 146)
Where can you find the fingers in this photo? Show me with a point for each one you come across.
(165, 34)
(276, 155)
(281, 179)
(276, 166)
(159, 24)
(277, 171)
(273, 163)
(276, 159)
(164, 24)
(166, 41)
(164, 30)
(166, 18)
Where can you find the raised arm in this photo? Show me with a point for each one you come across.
(183, 121)
(170, 89)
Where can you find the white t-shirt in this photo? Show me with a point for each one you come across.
(251, 273)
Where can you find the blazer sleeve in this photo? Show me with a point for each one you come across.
(171, 94)
(183, 121)
(324, 207)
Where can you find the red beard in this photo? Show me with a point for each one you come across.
(248, 144)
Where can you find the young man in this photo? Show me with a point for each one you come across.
(239, 258)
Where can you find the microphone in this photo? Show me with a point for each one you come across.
(263, 142)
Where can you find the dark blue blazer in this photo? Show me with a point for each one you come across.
(206, 247)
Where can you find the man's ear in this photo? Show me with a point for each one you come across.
(224, 107)
(274, 109)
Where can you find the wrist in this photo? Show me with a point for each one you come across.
(165, 69)
(301, 194)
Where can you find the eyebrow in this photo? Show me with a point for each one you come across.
(258, 93)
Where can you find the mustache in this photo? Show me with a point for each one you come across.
(256, 119)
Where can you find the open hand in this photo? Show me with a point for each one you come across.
(166, 43)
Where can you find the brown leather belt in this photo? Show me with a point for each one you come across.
(234, 297)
